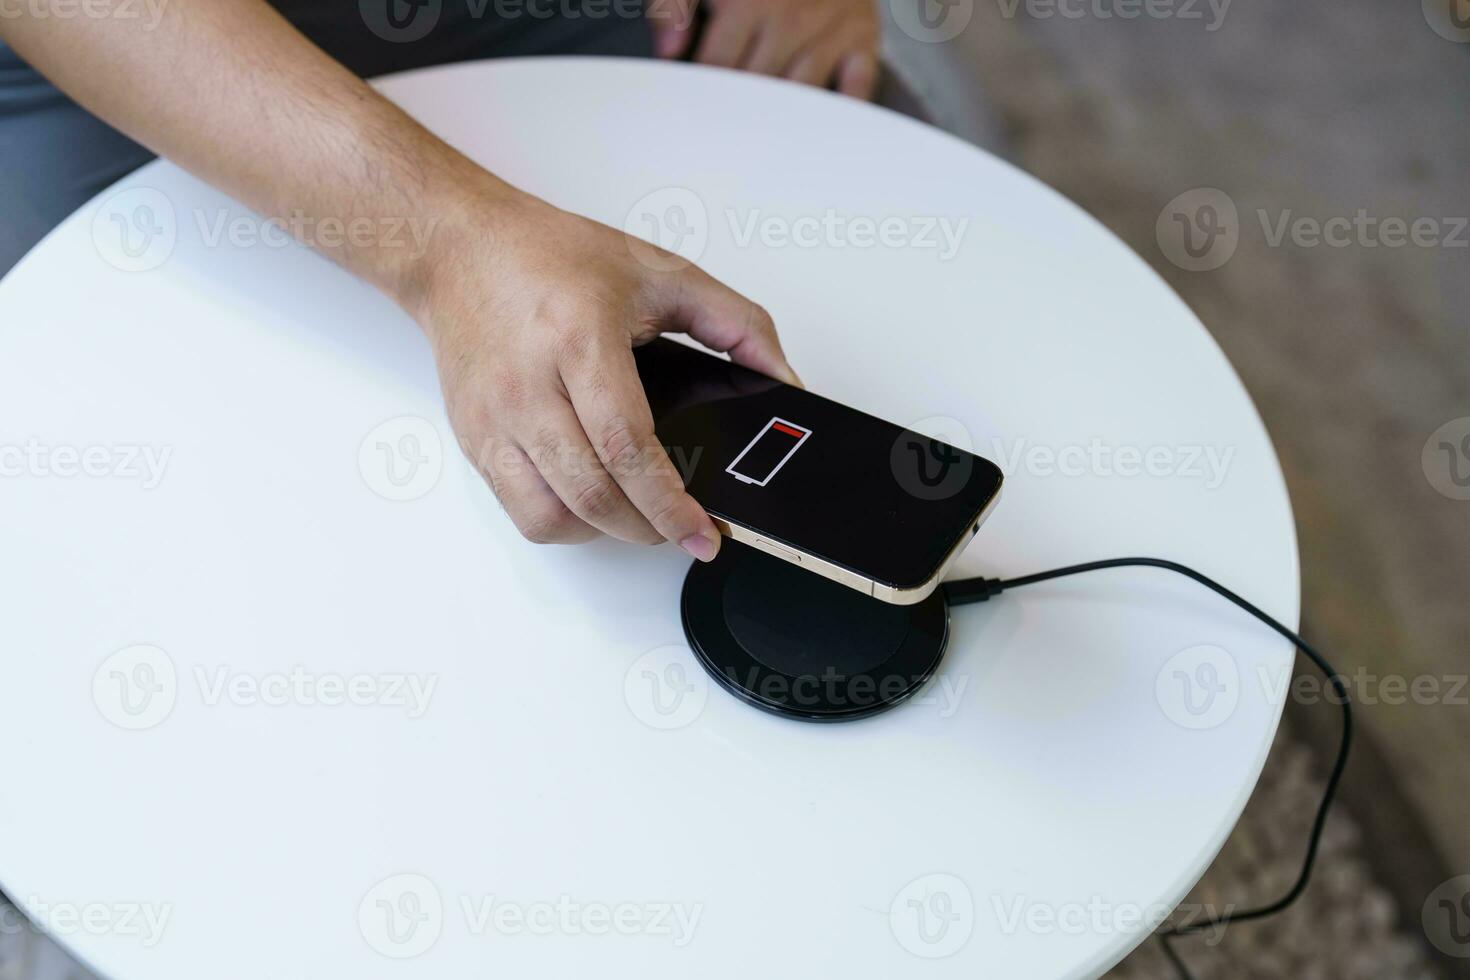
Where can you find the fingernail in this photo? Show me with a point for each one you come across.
(700, 547)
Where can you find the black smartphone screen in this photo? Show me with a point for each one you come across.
(812, 474)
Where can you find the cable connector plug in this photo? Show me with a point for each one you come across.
(966, 590)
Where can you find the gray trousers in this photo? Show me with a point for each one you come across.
(55, 156)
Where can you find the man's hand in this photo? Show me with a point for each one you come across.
(828, 43)
(534, 314)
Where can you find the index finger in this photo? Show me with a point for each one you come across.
(612, 408)
(723, 320)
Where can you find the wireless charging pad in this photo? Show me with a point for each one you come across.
(790, 642)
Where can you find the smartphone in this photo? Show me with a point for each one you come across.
(853, 498)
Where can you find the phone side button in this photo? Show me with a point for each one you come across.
(771, 548)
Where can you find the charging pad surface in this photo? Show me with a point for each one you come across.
(786, 640)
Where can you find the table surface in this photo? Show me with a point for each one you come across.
(282, 681)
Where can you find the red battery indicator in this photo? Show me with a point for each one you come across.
(763, 457)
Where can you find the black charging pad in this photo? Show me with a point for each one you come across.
(790, 642)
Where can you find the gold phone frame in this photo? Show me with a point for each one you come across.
(844, 576)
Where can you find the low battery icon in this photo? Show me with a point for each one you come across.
(763, 457)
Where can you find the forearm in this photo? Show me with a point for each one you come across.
(230, 91)
(533, 312)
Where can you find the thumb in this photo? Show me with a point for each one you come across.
(723, 320)
(673, 26)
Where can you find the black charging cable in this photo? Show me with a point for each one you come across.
(980, 589)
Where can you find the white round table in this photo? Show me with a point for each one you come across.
(285, 695)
